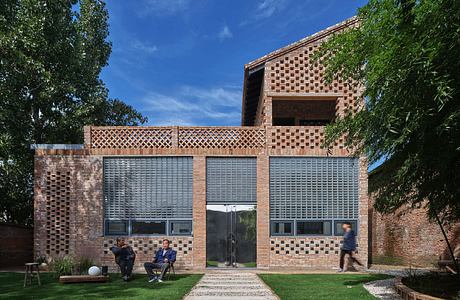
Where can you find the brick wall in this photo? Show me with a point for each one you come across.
(68, 212)
(407, 237)
(69, 215)
(16, 245)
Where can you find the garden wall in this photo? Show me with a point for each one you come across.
(16, 245)
(408, 238)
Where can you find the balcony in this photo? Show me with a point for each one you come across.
(295, 140)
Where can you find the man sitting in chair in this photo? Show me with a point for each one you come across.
(163, 260)
(124, 257)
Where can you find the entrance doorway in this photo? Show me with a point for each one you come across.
(231, 236)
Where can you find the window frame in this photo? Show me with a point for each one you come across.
(355, 228)
(129, 227)
(272, 223)
(314, 221)
(106, 226)
(178, 221)
(147, 234)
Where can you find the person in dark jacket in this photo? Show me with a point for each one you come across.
(124, 257)
(348, 246)
(164, 257)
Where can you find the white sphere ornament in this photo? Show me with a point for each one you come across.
(94, 271)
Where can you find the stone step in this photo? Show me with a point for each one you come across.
(232, 298)
(229, 283)
(223, 285)
(230, 287)
(233, 293)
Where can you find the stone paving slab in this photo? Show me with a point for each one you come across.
(230, 286)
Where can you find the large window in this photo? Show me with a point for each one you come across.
(313, 194)
(231, 179)
(314, 228)
(282, 227)
(338, 230)
(147, 194)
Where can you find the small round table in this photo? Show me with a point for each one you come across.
(32, 270)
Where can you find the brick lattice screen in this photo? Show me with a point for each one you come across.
(234, 138)
(134, 137)
(299, 137)
(304, 246)
(296, 73)
(57, 212)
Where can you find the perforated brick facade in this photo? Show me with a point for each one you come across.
(69, 198)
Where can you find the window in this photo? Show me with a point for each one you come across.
(314, 188)
(338, 227)
(314, 228)
(180, 227)
(282, 227)
(314, 122)
(148, 227)
(116, 227)
(284, 122)
(146, 193)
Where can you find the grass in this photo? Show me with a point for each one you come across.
(445, 286)
(138, 288)
(320, 286)
(212, 263)
(250, 264)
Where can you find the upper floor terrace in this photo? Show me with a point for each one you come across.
(286, 105)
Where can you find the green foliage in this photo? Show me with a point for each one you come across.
(63, 266)
(407, 55)
(82, 265)
(51, 55)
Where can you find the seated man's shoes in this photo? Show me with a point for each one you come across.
(153, 279)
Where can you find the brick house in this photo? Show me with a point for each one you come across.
(265, 194)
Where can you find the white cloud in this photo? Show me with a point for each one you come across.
(225, 33)
(189, 105)
(144, 47)
(264, 10)
(267, 8)
(164, 7)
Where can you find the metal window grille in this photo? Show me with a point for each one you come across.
(313, 188)
(231, 180)
(148, 187)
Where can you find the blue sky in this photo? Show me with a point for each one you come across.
(181, 62)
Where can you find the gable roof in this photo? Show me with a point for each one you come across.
(305, 41)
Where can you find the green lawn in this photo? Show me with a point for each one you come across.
(138, 288)
(320, 286)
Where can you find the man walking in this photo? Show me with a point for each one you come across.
(163, 259)
(348, 246)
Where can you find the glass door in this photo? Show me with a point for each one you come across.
(231, 235)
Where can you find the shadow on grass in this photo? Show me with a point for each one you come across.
(365, 279)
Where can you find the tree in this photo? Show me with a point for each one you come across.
(51, 55)
(406, 54)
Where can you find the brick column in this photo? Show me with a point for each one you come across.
(199, 212)
(363, 232)
(263, 212)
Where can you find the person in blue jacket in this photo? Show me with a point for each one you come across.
(164, 257)
(348, 246)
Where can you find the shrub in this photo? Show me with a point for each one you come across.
(41, 259)
(82, 265)
(63, 266)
